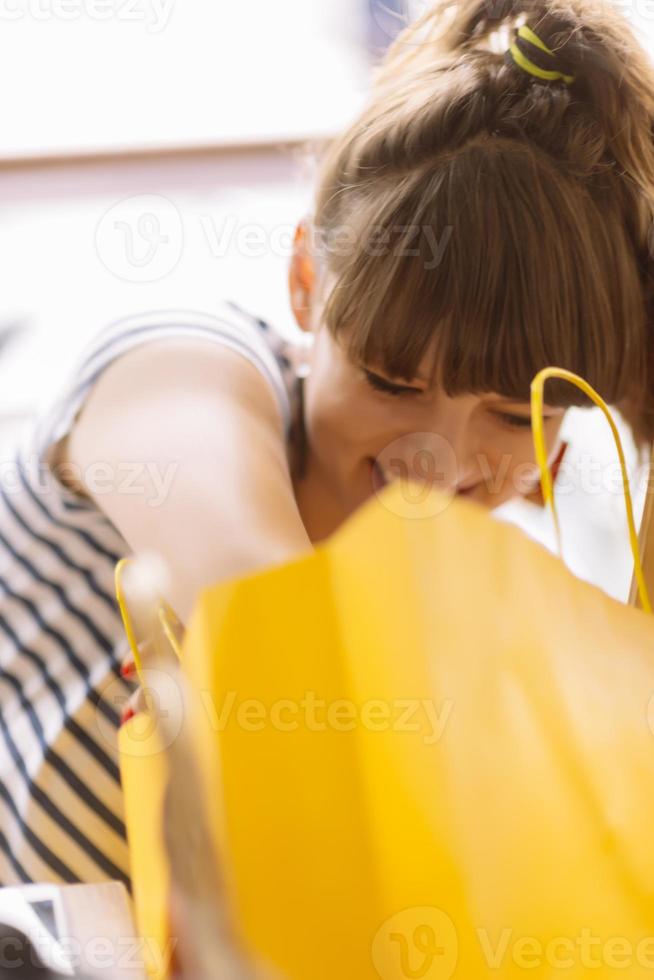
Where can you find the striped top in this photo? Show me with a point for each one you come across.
(61, 636)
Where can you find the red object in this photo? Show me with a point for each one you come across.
(128, 669)
(559, 459)
(536, 496)
(128, 713)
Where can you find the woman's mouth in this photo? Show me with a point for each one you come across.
(378, 477)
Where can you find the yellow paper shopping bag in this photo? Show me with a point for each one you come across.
(428, 750)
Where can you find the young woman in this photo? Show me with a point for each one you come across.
(487, 214)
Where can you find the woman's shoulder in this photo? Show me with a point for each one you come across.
(285, 349)
(228, 323)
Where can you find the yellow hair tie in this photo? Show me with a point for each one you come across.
(532, 55)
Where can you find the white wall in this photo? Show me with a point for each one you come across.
(85, 75)
(84, 244)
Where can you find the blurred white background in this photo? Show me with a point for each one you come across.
(90, 75)
(153, 154)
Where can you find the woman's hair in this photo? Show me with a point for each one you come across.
(505, 218)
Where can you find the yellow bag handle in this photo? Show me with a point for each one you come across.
(540, 448)
(166, 615)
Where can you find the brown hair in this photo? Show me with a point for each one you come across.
(539, 195)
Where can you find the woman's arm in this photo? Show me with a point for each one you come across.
(181, 444)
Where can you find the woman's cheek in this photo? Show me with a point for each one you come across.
(525, 477)
(514, 471)
(507, 470)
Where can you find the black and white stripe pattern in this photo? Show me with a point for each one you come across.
(61, 637)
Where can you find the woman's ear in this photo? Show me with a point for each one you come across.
(301, 277)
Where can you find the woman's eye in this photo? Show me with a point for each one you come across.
(380, 384)
(517, 421)
(521, 421)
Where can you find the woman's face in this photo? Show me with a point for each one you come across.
(364, 429)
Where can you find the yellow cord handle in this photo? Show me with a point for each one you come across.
(170, 623)
(124, 613)
(540, 448)
(172, 626)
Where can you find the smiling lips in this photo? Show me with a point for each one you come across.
(380, 479)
